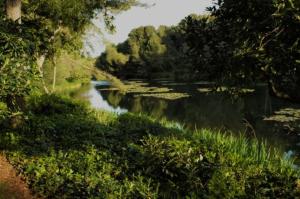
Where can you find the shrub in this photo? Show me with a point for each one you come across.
(66, 150)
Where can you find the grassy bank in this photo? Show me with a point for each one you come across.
(71, 71)
(64, 149)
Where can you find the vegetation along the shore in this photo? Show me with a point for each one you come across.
(62, 147)
(66, 149)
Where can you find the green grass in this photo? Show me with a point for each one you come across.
(73, 70)
(67, 150)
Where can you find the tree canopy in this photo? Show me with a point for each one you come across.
(45, 28)
(252, 41)
(237, 44)
(149, 51)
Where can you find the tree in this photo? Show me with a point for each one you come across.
(69, 19)
(250, 41)
(112, 60)
(143, 49)
(266, 32)
(46, 27)
(209, 48)
(16, 66)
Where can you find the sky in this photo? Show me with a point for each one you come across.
(159, 12)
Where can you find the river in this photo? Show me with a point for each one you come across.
(255, 115)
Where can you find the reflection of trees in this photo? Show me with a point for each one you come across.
(154, 107)
(136, 105)
(157, 107)
(211, 111)
(215, 110)
(114, 98)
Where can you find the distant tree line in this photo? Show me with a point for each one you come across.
(149, 53)
(238, 44)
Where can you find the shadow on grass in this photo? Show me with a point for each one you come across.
(66, 149)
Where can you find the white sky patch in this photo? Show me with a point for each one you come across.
(163, 12)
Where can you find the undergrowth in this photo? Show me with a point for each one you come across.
(67, 150)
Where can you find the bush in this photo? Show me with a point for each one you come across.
(53, 104)
(66, 150)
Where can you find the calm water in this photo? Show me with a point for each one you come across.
(255, 115)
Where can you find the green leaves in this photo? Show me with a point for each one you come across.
(19, 46)
(47, 27)
(254, 34)
(147, 51)
(66, 150)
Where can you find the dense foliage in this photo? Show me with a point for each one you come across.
(66, 150)
(18, 47)
(42, 29)
(236, 45)
(250, 41)
(148, 53)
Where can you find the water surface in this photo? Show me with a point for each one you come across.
(255, 114)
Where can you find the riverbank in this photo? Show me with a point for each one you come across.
(70, 72)
(255, 114)
(65, 149)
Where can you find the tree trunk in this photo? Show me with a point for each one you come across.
(15, 102)
(40, 62)
(13, 10)
(54, 75)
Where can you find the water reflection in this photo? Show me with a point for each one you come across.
(96, 100)
(252, 115)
